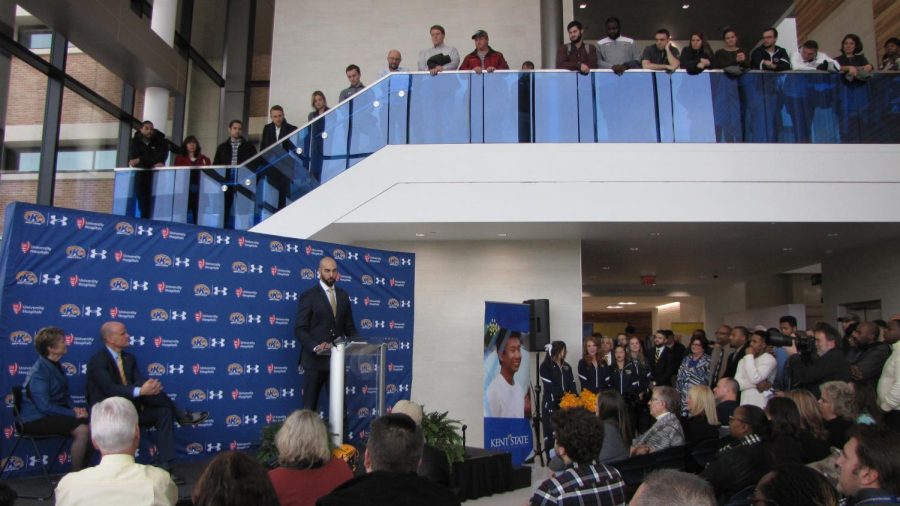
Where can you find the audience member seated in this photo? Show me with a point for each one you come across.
(702, 423)
(435, 464)
(890, 60)
(47, 407)
(789, 440)
(732, 58)
(307, 470)
(808, 57)
(867, 358)
(795, 484)
(889, 383)
(579, 437)
(591, 370)
(613, 411)
(698, 56)
(694, 370)
(236, 149)
(234, 479)
(616, 51)
(661, 55)
(866, 404)
(439, 56)
(757, 366)
(353, 76)
(816, 446)
(278, 129)
(392, 457)
(726, 393)
(852, 61)
(743, 462)
(769, 56)
(830, 365)
(576, 55)
(191, 154)
(869, 467)
(319, 105)
(666, 431)
(838, 408)
(117, 480)
(483, 57)
(673, 488)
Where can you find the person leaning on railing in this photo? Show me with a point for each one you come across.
(484, 57)
(698, 56)
(853, 62)
(769, 56)
(191, 154)
(732, 58)
(890, 61)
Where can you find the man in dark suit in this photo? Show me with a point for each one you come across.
(278, 129)
(113, 372)
(740, 338)
(323, 315)
(662, 361)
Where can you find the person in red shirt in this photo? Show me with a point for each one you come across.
(483, 57)
(190, 155)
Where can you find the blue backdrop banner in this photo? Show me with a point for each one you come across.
(211, 313)
(507, 381)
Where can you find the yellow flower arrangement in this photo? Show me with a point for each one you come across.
(586, 400)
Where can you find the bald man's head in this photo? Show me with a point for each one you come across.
(328, 271)
(393, 59)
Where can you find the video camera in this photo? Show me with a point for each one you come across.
(805, 345)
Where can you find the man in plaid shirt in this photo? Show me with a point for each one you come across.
(579, 437)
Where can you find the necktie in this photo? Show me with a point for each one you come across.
(658, 353)
(121, 368)
(332, 301)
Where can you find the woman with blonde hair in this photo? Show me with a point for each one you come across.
(307, 470)
(702, 423)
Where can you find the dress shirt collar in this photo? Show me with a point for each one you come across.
(324, 286)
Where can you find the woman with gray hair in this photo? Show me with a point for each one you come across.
(839, 410)
(307, 469)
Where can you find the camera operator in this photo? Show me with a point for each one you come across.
(867, 358)
(830, 365)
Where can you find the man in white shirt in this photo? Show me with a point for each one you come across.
(506, 399)
(117, 480)
(808, 57)
(448, 54)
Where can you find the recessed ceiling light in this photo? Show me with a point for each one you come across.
(686, 6)
(582, 6)
(633, 248)
(606, 267)
(626, 303)
(501, 235)
(786, 249)
(613, 307)
(419, 234)
(833, 234)
(655, 234)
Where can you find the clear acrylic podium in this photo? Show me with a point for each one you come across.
(357, 368)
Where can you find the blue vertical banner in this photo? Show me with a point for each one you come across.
(211, 314)
(507, 380)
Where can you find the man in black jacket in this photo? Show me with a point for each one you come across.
(867, 358)
(278, 129)
(740, 338)
(236, 149)
(149, 150)
(829, 366)
(768, 56)
(662, 360)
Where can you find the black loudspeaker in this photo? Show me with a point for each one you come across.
(539, 324)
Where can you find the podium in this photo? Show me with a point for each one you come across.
(357, 368)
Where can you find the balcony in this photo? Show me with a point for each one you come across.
(527, 107)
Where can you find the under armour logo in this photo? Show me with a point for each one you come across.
(142, 230)
(403, 388)
(176, 369)
(182, 262)
(215, 394)
(349, 390)
(289, 343)
(378, 324)
(179, 315)
(287, 392)
(33, 460)
(223, 239)
(217, 342)
(256, 268)
(251, 369)
(404, 346)
(101, 254)
(220, 290)
(248, 419)
(405, 303)
(136, 340)
(210, 447)
(379, 281)
(352, 256)
(50, 280)
(290, 295)
(406, 261)
(62, 221)
(354, 299)
(140, 285)
(93, 311)
(292, 248)
(254, 318)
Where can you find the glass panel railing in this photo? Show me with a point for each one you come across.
(523, 107)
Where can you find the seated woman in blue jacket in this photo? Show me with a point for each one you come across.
(47, 407)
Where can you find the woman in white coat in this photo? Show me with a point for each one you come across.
(755, 367)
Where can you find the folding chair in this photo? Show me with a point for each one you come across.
(20, 434)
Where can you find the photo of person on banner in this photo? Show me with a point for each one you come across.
(505, 397)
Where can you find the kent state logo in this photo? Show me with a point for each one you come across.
(199, 343)
(76, 252)
(235, 369)
(201, 290)
(367, 280)
(162, 260)
(205, 238)
(13, 464)
(365, 367)
(34, 218)
(20, 338)
(307, 274)
(197, 395)
(159, 315)
(69, 368)
(339, 254)
(156, 369)
(365, 323)
(27, 278)
(275, 295)
(393, 261)
(69, 311)
(272, 393)
(233, 421)
(124, 228)
(239, 267)
(390, 388)
(118, 284)
(363, 412)
(236, 318)
(273, 343)
(194, 449)
(276, 247)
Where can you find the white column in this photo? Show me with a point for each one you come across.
(156, 100)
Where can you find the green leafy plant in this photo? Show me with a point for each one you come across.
(444, 433)
(267, 454)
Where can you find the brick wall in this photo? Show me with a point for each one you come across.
(87, 194)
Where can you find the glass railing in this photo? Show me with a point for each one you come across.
(526, 107)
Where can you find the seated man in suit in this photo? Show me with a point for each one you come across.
(113, 372)
(117, 479)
